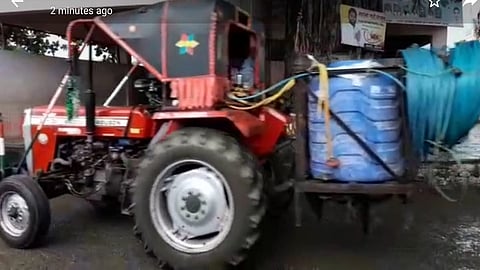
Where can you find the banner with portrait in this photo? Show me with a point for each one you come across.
(362, 28)
(426, 12)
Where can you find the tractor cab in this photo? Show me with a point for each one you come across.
(203, 49)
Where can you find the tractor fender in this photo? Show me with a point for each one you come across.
(260, 132)
(162, 132)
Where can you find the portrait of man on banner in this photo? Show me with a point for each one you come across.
(362, 28)
(351, 32)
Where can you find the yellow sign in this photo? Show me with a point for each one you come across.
(362, 28)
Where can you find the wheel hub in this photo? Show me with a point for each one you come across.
(191, 206)
(15, 215)
(13, 211)
(196, 202)
(193, 203)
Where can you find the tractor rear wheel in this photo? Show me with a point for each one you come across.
(279, 170)
(198, 200)
(24, 211)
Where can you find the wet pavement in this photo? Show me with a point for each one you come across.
(443, 236)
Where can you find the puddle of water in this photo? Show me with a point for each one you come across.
(467, 238)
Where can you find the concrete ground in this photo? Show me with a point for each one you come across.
(444, 236)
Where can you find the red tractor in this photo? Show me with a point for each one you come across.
(187, 162)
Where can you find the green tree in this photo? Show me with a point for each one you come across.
(109, 54)
(36, 42)
(30, 41)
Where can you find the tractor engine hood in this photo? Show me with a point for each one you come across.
(110, 121)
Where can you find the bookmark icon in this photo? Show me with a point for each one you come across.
(434, 3)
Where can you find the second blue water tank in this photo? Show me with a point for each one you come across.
(368, 104)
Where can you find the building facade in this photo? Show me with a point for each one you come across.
(471, 16)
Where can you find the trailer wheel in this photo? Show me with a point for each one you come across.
(198, 200)
(24, 212)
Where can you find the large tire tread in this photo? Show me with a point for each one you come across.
(37, 201)
(249, 172)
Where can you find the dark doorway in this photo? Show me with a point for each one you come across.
(395, 43)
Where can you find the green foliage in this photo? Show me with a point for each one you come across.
(108, 54)
(31, 41)
(72, 100)
(36, 42)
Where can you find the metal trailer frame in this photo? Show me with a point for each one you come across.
(404, 186)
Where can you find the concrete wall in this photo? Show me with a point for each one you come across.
(27, 80)
(466, 32)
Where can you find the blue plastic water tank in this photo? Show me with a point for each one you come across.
(368, 104)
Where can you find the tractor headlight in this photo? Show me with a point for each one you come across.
(42, 138)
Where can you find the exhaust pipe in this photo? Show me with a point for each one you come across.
(90, 111)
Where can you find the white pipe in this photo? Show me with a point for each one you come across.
(119, 86)
(54, 100)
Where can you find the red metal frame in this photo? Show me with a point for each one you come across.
(259, 133)
(209, 89)
(274, 127)
(127, 48)
(212, 44)
(248, 124)
(164, 31)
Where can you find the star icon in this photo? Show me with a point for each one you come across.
(434, 3)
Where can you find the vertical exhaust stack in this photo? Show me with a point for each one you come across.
(90, 113)
(90, 105)
(2, 148)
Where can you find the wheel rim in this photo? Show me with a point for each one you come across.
(15, 215)
(191, 206)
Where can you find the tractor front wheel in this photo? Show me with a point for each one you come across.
(198, 200)
(24, 211)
